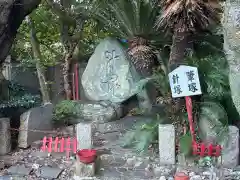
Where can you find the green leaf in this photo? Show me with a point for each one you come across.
(144, 140)
(186, 144)
(128, 139)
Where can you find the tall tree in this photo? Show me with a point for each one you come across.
(184, 18)
(38, 57)
(12, 13)
(71, 31)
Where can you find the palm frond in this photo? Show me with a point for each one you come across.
(189, 15)
(213, 73)
(131, 17)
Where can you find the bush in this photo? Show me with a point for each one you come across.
(64, 111)
(19, 97)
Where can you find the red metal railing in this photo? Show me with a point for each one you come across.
(200, 148)
(60, 145)
(75, 83)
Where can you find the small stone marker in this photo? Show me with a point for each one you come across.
(184, 81)
(166, 134)
(230, 152)
(5, 136)
(84, 135)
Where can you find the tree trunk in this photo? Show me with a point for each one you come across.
(181, 43)
(65, 72)
(38, 58)
(232, 46)
(12, 13)
(68, 51)
(70, 45)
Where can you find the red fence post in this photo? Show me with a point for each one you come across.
(50, 145)
(68, 147)
(76, 81)
(44, 143)
(56, 145)
(62, 145)
(74, 142)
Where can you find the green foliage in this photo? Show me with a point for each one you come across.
(48, 34)
(26, 101)
(127, 18)
(91, 36)
(161, 81)
(19, 97)
(213, 74)
(214, 82)
(143, 134)
(65, 110)
(216, 117)
(48, 26)
(185, 143)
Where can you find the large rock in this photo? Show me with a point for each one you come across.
(109, 75)
(39, 118)
(231, 31)
(213, 123)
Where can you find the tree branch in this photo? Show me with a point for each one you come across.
(61, 12)
(12, 13)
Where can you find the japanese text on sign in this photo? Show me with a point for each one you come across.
(184, 81)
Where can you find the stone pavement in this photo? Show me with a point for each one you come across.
(116, 163)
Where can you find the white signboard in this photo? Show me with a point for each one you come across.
(184, 81)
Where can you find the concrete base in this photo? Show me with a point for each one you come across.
(85, 170)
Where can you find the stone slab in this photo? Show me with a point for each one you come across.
(40, 154)
(49, 172)
(19, 170)
(166, 134)
(10, 160)
(8, 177)
(39, 118)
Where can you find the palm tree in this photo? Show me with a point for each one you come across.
(132, 20)
(184, 18)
